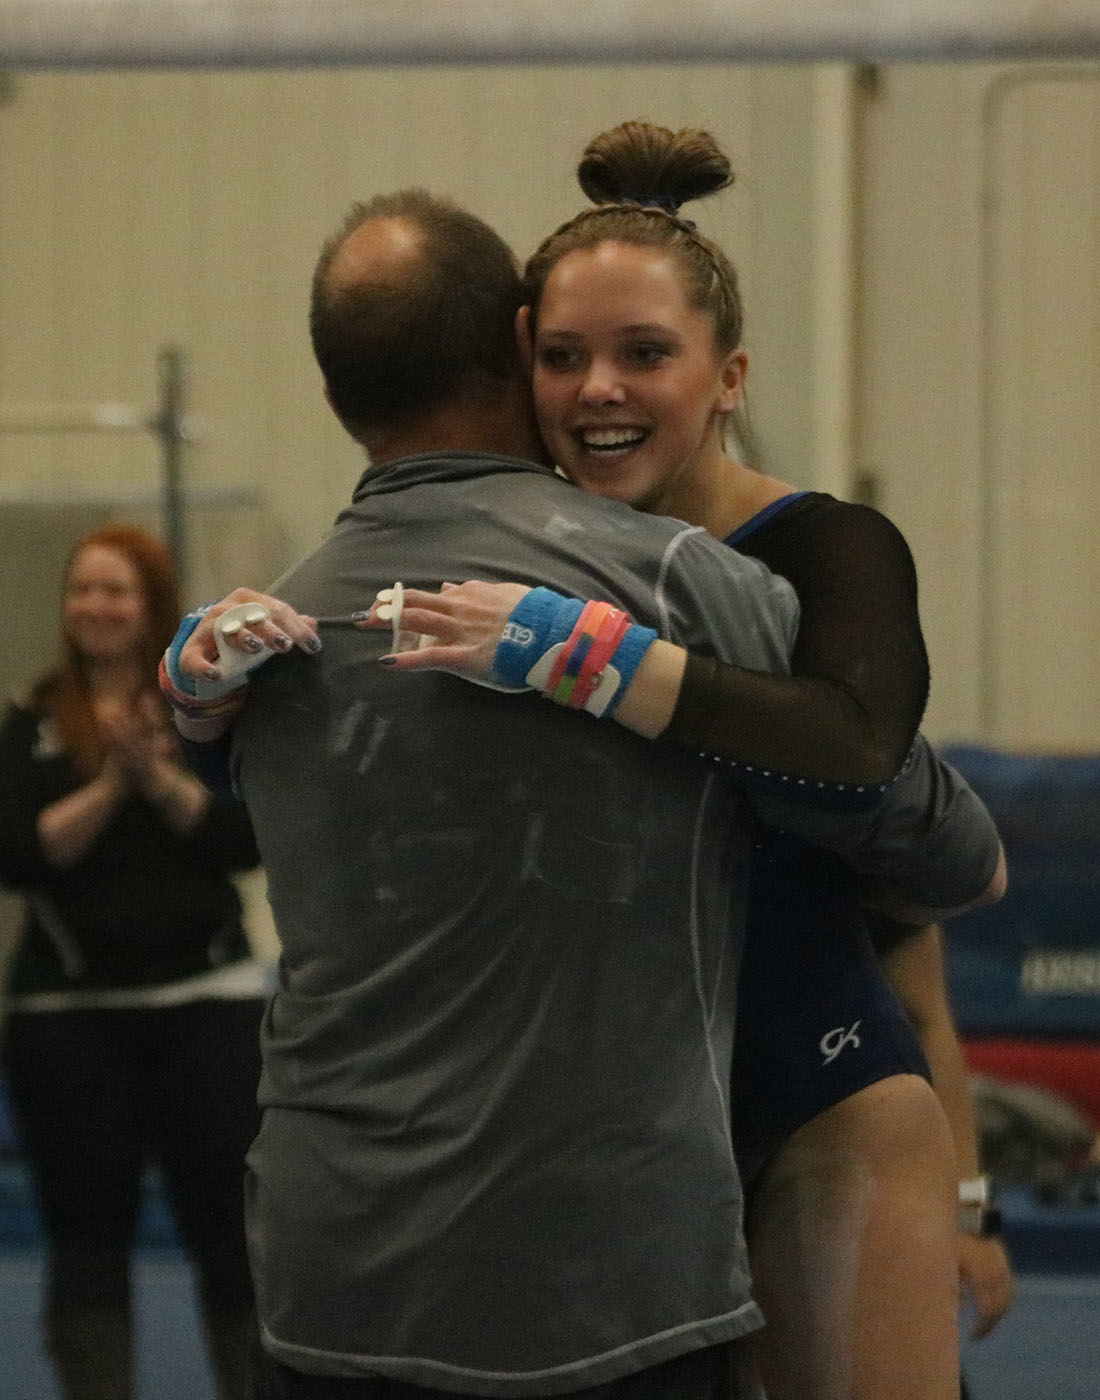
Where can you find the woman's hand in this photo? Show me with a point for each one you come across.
(459, 627)
(462, 626)
(986, 1280)
(139, 743)
(145, 751)
(207, 688)
(281, 630)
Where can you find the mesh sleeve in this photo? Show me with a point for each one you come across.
(850, 709)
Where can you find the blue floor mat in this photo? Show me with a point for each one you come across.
(1047, 1348)
(170, 1361)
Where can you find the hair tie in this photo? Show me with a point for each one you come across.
(664, 202)
(655, 201)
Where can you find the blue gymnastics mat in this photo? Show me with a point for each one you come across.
(170, 1359)
(1047, 1348)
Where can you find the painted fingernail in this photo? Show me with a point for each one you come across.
(281, 642)
(312, 645)
(211, 673)
(360, 616)
(387, 660)
(253, 644)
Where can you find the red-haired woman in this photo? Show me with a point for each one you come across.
(133, 1000)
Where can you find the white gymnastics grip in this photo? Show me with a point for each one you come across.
(607, 682)
(231, 661)
(391, 603)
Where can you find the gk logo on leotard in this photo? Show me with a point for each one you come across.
(833, 1042)
(513, 632)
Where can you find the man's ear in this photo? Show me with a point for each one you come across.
(733, 381)
(524, 340)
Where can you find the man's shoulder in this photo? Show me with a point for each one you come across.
(425, 468)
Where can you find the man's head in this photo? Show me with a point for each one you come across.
(412, 311)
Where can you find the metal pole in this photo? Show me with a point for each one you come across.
(263, 33)
(170, 428)
(168, 425)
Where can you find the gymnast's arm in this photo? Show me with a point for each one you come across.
(846, 714)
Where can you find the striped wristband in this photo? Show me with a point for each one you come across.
(579, 668)
(227, 704)
(582, 655)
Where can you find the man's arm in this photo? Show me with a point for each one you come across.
(925, 844)
(929, 849)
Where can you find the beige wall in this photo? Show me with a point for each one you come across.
(152, 208)
(141, 209)
(978, 388)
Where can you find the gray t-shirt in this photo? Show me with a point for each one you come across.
(495, 1155)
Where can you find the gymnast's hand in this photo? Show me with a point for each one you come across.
(459, 628)
(204, 673)
(986, 1280)
(280, 630)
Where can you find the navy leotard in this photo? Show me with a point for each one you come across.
(817, 1021)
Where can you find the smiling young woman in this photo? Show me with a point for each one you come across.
(632, 390)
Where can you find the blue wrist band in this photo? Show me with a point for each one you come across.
(179, 678)
(541, 619)
(627, 658)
